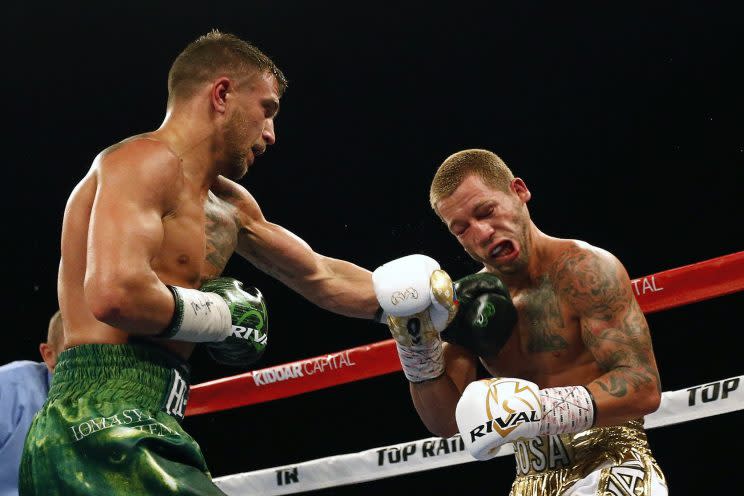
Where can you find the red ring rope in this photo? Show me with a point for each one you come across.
(664, 290)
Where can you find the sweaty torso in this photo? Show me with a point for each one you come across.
(546, 346)
(198, 238)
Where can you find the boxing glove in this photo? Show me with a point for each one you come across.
(486, 317)
(233, 320)
(419, 301)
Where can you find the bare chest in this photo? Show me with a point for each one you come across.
(182, 251)
(546, 339)
(544, 323)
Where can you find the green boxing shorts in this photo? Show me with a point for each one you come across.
(111, 426)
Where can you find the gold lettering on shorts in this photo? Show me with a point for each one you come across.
(540, 454)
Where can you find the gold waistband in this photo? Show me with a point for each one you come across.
(581, 451)
(547, 463)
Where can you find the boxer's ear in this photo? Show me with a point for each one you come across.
(48, 355)
(520, 188)
(221, 87)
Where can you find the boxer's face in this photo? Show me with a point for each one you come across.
(491, 225)
(249, 128)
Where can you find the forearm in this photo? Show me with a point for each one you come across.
(624, 393)
(435, 402)
(340, 287)
(335, 285)
(437, 372)
(141, 306)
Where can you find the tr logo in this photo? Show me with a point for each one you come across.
(399, 296)
(286, 476)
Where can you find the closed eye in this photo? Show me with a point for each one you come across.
(482, 214)
(271, 108)
(459, 231)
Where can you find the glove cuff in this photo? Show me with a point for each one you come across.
(422, 362)
(566, 410)
(198, 317)
(381, 316)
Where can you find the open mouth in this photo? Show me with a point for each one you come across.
(503, 250)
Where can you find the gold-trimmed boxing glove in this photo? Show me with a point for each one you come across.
(418, 302)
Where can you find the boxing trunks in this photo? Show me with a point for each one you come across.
(601, 461)
(111, 426)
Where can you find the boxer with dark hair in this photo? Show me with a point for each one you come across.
(145, 235)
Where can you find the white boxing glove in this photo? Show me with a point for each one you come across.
(492, 412)
(418, 301)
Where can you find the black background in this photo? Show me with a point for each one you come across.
(624, 121)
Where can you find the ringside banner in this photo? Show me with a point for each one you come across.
(705, 400)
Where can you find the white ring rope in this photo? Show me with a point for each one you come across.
(705, 400)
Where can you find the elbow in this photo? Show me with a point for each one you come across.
(655, 401)
(445, 432)
(443, 429)
(649, 400)
(108, 299)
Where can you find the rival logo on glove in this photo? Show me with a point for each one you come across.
(516, 392)
(257, 319)
(399, 296)
(245, 333)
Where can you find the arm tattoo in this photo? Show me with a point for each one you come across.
(624, 354)
(590, 286)
(613, 326)
(221, 230)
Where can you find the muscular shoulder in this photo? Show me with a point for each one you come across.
(589, 278)
(149, 157)
(245, 205)
(575, 255)
(146, 165)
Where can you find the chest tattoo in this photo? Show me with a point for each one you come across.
(543, 319)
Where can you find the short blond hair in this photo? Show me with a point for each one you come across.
(453, 171)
